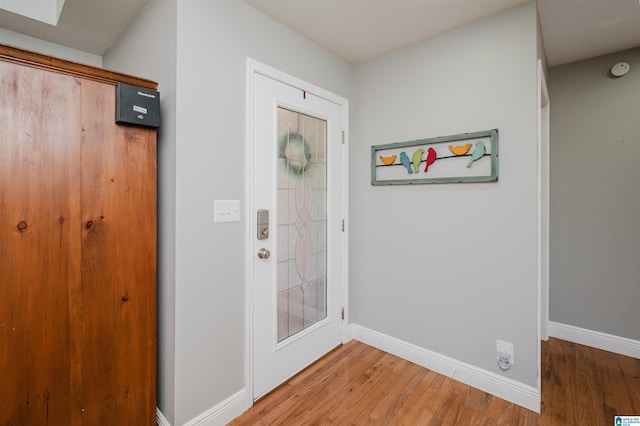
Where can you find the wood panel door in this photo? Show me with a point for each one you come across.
(77, 254)
(118, 264)
(39, 246)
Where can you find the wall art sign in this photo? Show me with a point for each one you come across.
(467, 157)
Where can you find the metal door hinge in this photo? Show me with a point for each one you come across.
(343, 137)
(342, 225)
(342, 314)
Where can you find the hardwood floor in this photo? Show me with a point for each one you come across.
(587, 386)
(360, 385)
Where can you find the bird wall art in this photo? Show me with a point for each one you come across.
(404, 159)
(478, 153)
(460, 149)
(468, 157)
(431, 158)
(417, 159)
(388, 160)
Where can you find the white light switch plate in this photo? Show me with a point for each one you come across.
(226, 211)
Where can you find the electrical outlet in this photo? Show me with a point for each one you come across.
(504, 354)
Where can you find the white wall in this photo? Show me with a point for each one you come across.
(540, 40)
(148, 49)
(205, 303)
(214, 40)
(451, 267)
(12, 38)
(595, 200)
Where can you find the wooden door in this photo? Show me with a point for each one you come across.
(40, 328)
(118, 264)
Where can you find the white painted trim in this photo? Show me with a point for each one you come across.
(345, 236)
(539, 280)
(595, 339)
(284, 78)
(249, 209)
(543, 205)
(222, 413)
(545, 91)
(539, 213)
(543, 217)
(502, 387)
(255, 67)
(160, 419)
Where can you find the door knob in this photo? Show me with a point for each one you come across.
(263, 253)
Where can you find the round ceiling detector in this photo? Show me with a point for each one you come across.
(620, 69)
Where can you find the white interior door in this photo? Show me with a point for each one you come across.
(298, 240)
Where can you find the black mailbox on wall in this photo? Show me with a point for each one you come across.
(137, 105)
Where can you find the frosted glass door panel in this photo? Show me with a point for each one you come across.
(301, 222)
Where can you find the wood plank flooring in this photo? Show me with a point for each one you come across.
(587, 386)
(360, 385)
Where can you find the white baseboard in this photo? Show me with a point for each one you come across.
(221, 414)
(224, 412)
(502, 387)
(595, 339)
(160, 419)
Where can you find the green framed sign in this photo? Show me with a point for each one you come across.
(467, 157)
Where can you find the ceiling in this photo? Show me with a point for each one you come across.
(360, 30)
(579, 29)
(88, 25)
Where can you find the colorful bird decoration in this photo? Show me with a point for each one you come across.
(478, 153)
(460, 149)
(431, 158)
(404, 159)
(417, 159)
(387, 161)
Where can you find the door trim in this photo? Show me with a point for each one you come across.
(254, 68)
(543, 186)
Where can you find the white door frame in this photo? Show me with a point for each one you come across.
(254, 67)
(543, 213)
